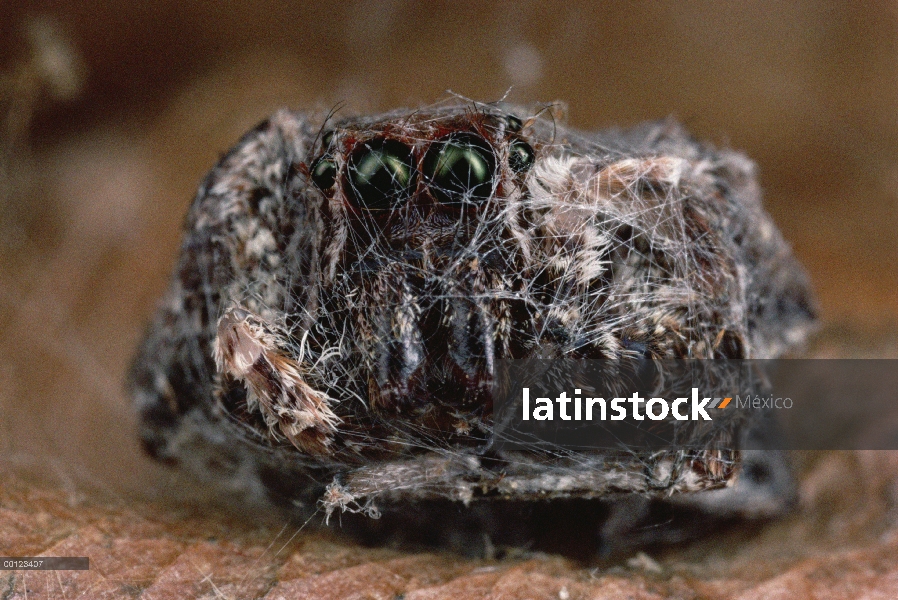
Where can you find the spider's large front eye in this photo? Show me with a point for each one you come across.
(460, 168)
(380, 173)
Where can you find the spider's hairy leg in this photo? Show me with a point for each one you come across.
(249, 349)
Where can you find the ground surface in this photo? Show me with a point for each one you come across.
(842, 543)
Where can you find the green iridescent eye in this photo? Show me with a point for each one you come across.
(460, 168)
(327, 138)
(520, 156)
(512, 123)
(380, 173)
(324, 173)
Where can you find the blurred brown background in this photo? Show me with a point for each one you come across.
(113, 111)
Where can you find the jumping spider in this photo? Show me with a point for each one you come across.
(345, 288)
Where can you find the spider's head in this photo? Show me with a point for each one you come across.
(427, 207)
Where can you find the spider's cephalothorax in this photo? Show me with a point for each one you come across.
(346, 287)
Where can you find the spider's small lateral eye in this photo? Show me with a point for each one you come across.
(380, 173)
(324, 173)
(512, 123)
(520, 156)
(460, 168)
(327, 138)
